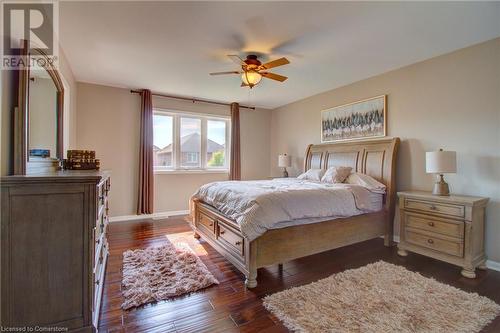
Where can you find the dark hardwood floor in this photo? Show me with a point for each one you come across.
(229, 307)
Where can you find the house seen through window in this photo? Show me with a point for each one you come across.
(189, 141)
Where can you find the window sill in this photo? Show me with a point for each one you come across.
(190, 172)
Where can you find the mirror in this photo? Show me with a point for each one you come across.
(38, 119)
(42, 120)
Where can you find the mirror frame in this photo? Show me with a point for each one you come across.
(21, 117)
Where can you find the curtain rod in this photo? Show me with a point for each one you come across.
(193, 99)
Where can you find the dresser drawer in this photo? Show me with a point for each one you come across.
(100, 254)
(100, 227)
(206, 223)
(448, 246)
(441, 226)
(99, 271)
(435, 208)
(232, 240)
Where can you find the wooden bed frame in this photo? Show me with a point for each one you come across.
(376, 158)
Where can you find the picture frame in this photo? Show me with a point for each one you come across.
(364, 119)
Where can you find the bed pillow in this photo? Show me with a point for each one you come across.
(312, 174)
(336, 174)
(370, 183)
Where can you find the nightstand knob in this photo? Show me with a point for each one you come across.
(431, 224)
(433, 207)
(430, 241)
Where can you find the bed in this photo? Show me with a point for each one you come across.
(248, 252)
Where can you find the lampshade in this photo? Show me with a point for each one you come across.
(251, 78)
(441, 161)
(284, 161)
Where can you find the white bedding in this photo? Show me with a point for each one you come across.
(258, 206)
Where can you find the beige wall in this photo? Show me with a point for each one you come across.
(108, 121)
(9, 101)
(450, 102)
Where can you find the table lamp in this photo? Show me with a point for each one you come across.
(284, 161)
(439, 162)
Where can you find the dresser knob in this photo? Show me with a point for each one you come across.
(433, 207)
(211, 225)
(222, 232)
(430, 241)
(97, 282)
(431, 224)
(238, 243)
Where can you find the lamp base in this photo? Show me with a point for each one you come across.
(441, 187)
(285, 173)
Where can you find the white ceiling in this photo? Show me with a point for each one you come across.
(171, 47)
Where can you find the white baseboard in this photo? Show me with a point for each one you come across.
(493, 265)
(154, 216)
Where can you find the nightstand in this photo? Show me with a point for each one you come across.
(447, 228)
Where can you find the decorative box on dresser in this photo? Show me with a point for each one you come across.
(448, 228)
(54, 249)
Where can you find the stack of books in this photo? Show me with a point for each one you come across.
(81, 160)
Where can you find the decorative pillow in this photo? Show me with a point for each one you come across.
(312, 174)
(336, 174)
(371, 184)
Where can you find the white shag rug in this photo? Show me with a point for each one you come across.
(158, 273)
(381, 298)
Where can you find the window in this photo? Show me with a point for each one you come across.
(216, 143)
(190, 142)
(185, 141)
(162, 140)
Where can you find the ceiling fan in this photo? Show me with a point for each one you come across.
(252, 70)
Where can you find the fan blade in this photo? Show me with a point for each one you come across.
(274, 63)
(236, 59)
(273, 76)
(223, 73)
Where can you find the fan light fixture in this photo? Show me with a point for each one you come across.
(251, 78)
(252, 70)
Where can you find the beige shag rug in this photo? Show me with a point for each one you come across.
(158, 273)
(381, 297)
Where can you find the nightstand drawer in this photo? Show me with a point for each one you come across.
(448, 246)
(446, 227)
(436, 208)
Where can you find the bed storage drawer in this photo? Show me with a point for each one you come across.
(230, 238)
(435, 208)
(206, 223)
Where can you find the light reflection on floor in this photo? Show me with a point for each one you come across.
(184, 240)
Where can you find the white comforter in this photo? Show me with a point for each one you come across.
(258, 206)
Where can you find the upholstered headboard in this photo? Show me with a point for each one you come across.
(376, 158)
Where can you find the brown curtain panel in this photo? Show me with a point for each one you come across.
(235, 162)
(145, 199)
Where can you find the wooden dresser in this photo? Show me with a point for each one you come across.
(54, 249)
(448, 228)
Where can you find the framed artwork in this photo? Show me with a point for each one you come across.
(359, 120)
